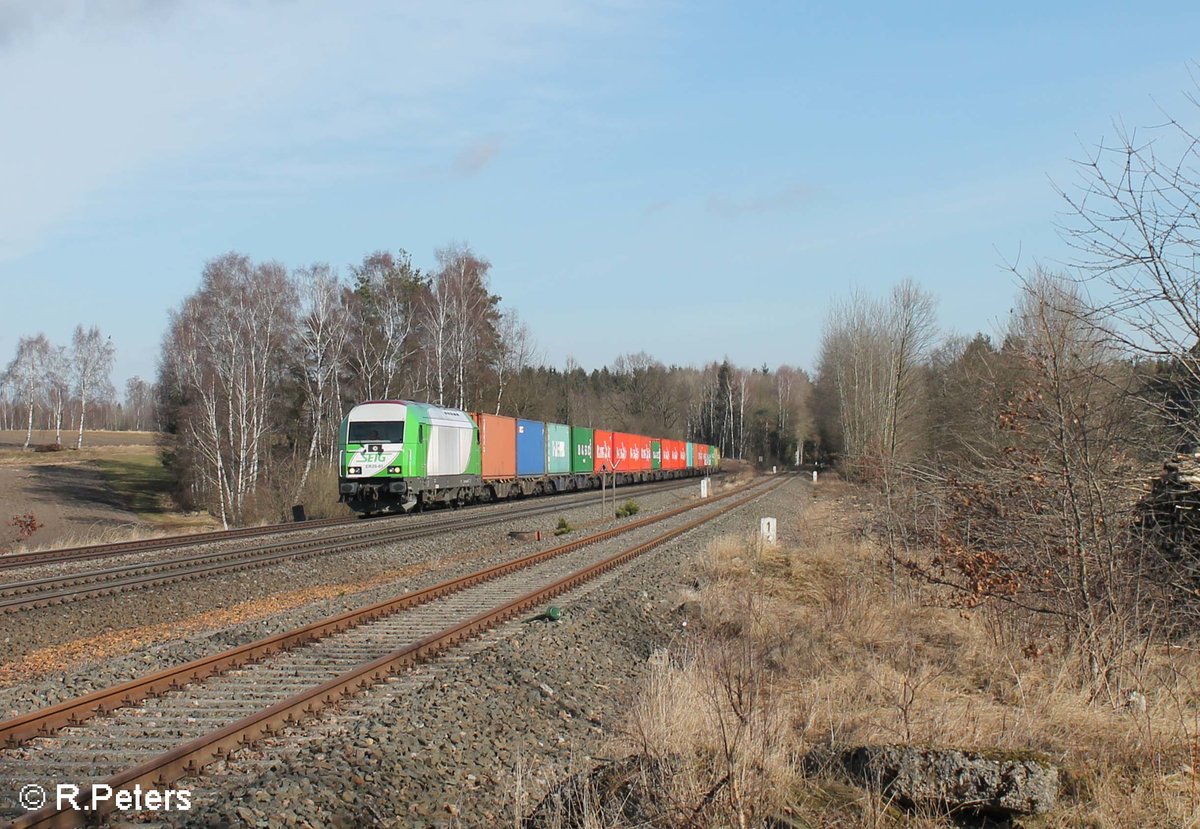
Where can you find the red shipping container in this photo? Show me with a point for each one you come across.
(497, 445)
(674, 454)
(639, 452)
(632, 452)
(603, 444)
(646, 447)
(701, 455)
(680, 459)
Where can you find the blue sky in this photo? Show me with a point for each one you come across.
(741, 165)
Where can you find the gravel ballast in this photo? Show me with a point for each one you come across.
(480, 734)
(124, 636)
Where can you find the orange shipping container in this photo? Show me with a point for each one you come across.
(497, 446)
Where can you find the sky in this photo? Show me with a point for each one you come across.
(691, 179)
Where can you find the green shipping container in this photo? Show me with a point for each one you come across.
(691, 459)
(558, 449)
(655, 455)
(581, 449)
(714, 457)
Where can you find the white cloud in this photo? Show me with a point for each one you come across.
(97, 93)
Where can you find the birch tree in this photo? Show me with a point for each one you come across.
(460, 324)
(323, 335)
(92, 356)
(26, 376)
(58, 382)
(224, 354)
(139, 403)
(383, 310)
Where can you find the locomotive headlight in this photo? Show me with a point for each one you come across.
(354, 470)
(395, 470)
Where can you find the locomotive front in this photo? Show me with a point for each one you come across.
(372, 446)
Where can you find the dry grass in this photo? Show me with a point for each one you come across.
(813, 642)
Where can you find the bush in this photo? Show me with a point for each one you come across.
(563, 527)
(627, 509)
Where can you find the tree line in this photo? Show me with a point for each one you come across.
(49, 386)
(260, 363)
(1049, 466)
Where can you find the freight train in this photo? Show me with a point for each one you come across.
(401, 456)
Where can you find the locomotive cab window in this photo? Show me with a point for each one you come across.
(376, 431)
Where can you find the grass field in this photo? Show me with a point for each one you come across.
(140, 481)
(15, 438)
(118, 473)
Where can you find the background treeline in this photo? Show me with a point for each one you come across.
(260, 364)
(61, 388)
(1031, 462)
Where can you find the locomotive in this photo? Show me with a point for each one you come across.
(404, 456)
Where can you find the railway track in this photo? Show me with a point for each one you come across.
(171, 542)
(63, 555)
(56, 589)
(159, 728)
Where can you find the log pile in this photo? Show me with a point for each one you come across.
(1171, 510)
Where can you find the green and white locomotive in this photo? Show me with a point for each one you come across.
(397, 455)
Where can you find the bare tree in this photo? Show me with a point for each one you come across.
(223, 359)
(459, 321)
(1041, 521)
(139, 403)
(515, 351)
(58, 380)
(322, 350)
(1136, 224)
(871, 353)
(26, 375)
(384, 309)
(912, 327)
(92, 356)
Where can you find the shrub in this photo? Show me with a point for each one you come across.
(563, 527)
(627, 509)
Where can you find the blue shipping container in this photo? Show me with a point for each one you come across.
(531, 447)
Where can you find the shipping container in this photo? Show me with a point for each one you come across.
(531, 447)
(497, 445)
(678, 454)
(602, 443)
(714, 457)
(656, 457)
(582, 456)
(691, 455)
(667, 454)
(701, 455)
(641, 446)
(558, 448)
(627, 456)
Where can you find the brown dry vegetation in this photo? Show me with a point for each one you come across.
(812, 642)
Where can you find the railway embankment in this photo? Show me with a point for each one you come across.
(478, 736)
